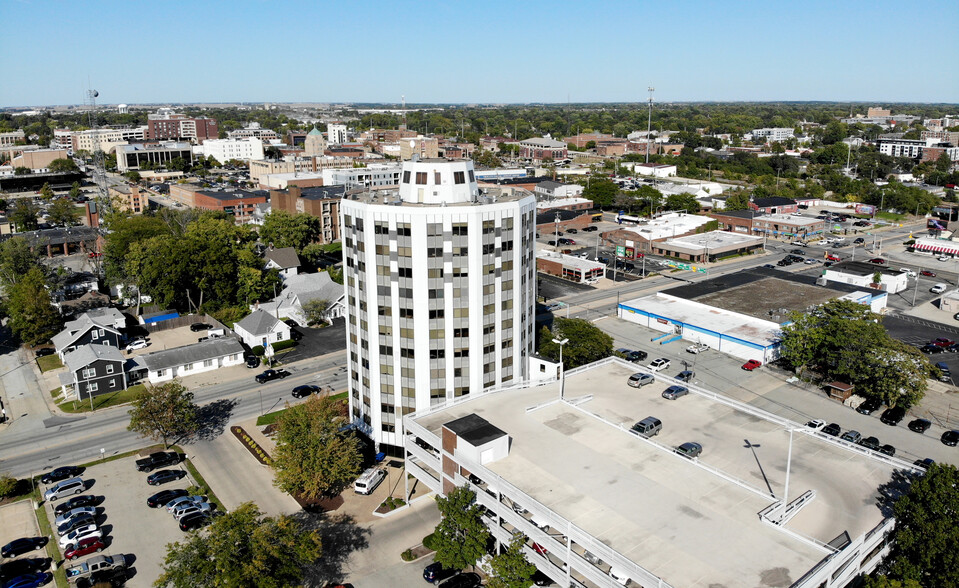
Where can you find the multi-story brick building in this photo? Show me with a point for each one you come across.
(540, 148)
(321, 202)
(167, 125)
(239, 203)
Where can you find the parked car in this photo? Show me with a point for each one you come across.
(305, 390)
(892, 416)
(831, 429)
(869, 406)
(572, 231)
(187, 509)
(674, 392)
(164, 476)
(183, 501)
(22, 545)
(75, 523)
(816, 424)
(938, 288)
(137, 344)
(165, 496)
(640, 379)
(931, 348)
(435, 572)
(270, 375)
(631, 355)
(751, 365)
(193, 521)
(690, 449)
(697, 348)
(27, 565)
(64, 488)
(945, 374)
(467, 580)
(851, 436)
(943, 258)
(60, 473)
(74, 513)
(888, 450)
(685, 375)
(658, 364)
(919, 425)
(590, 229)
(197, 327)
(44, 351)
(870, 443)
(28, 580)
(950, 438)
(75, 502)
(74, 537)
(252, 361)
(877, 261)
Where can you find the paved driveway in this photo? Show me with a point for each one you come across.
(317, 342)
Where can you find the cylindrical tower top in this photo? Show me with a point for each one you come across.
(438, 181)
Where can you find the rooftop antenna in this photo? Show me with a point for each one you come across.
(649, 121)
(99, 173)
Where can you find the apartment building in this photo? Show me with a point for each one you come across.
(167, 125)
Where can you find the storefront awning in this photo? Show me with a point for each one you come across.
(949, 247)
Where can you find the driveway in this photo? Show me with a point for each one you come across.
(317, 342)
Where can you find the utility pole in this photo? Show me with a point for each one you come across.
(649, 122)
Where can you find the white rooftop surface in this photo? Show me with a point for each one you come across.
(669, 225)
(303, 175)
(678, 520)
(569, 260)
(713, 240)
(558, 202)
(716, 319)
(792, 219)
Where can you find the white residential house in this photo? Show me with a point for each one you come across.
(261, 328)
(283, 259)
(190, 359)
(302, 288)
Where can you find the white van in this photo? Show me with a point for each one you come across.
(368, 481)
(938, 288)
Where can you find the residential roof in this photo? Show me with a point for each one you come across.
(84, 356)
(318, 286)
(284, 257)
(550, 185)
(257, 323)
(474, 429)
(75, 328)
(773, 201)
(211, 349)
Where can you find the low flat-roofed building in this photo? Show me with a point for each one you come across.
(641, 233)
(286, 180)
(597, 497)
(191, 359)
(936, 246)
(551, 189)
(863, 274)
(570, 267)
(708, 246)
(130, 157)
(564, 204)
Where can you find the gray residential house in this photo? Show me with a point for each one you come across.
(302, 288)
(93, 370)
(100, 326)
(283, 259)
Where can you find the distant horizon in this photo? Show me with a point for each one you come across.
(493, 52)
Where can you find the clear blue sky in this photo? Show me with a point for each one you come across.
(478, 51)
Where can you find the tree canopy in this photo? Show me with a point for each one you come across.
(460, 537)
(16, 260)
(32, 317)
(312, 456)
(282, 229)
(164, 412)
(24, 215)
(242, 548)
(511, 569)
(587, 342)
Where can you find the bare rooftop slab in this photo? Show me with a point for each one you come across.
(694, 524)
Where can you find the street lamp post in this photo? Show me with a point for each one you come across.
(562, 377)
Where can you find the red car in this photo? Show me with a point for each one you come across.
(539, 549)
(877, 261)
(927, 273)
(95, 254)
(751, 365)
(85, 547)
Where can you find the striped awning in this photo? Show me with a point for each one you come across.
(937, 247)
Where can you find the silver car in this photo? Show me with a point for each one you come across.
(674, 392)
(638, 380)
(72, 514)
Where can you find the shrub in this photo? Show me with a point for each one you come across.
(429, 542)
(281, 345)
(407, 555)
(258, 350)
(8, 486)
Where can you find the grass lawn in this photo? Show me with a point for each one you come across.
(49, 362)
(892, 216)
(271, 417)
(104, 400)
(52, 549)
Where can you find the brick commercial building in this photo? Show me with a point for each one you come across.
(640, 238)
(580, 141)
(707, 247)
(239, 203)
(774, 205)
(321, 202)
(38, 160)
(776, 226)
(540, 148)
(165, 126)
(548, 222)
(570, 267)
(129, 198)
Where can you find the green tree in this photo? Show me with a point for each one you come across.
(33, 319)
(177, 164)
(164, 412)
(46, 192)
(315, 310)
(22, 171)
(282, 229)
(243, 548)
(601, 191)
(16, 260)
(873, 581)
(820, 334)
(927, 530)
(63, 165)
(312, 456)
(124, 231)
(587, 342)
(134, 176)
(737, 201)
(63, 212)
(75, 190)
(685, 202)
(511, 569)
(896, 373)
(460, 537)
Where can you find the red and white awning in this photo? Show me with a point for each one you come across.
(936, 246)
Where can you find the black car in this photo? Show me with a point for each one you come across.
(75, 502)
(892, 416)
(252, 361)
(61, 473)
(784, 262)
(931, 349)
(869, 406)
(590, 229)
(631, 355)
(832, 429)
(435, 572)
(950, 438)
(295, 335)
(572, 231)
(269, 375)
(22, 545)
(76, 523)
(919, 425)
(197, 327)
(870, 443)
(114, 577)
(305, 390)
(685, 375)
(165, 496)
(44, 351)
(859, 241)
(193, 521)
(541, 579)
(164, 476)
(467, 580)
(27, 565)
(888, 450)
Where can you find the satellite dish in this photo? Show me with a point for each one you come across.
(412, 144)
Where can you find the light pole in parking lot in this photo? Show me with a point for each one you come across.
(562, 367)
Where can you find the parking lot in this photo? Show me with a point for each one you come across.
(129, 526)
